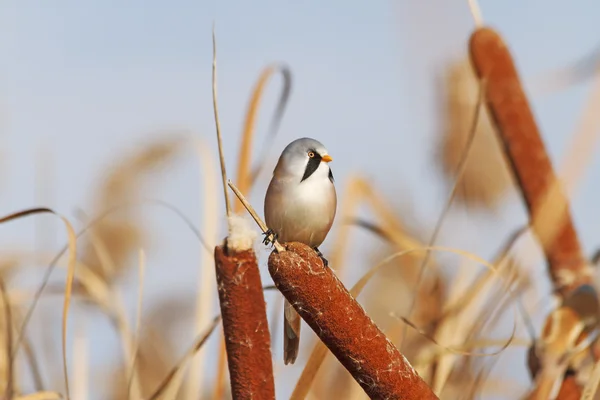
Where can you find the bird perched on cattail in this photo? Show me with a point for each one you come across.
(300, 206)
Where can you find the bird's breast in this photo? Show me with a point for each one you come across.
(300, 212)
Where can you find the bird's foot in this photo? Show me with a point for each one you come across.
(325, 262)
(270, 237)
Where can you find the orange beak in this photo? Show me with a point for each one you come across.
(326, 158)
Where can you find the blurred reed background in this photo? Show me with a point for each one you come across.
(106, 116)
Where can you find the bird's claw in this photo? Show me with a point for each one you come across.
(325, 262)
(270, 237)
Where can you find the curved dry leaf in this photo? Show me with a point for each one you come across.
(393, 285)
(459, 350)
(246, 179)
(54, 262)
(72, 257)
(472, 344)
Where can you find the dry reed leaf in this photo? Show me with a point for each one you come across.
(206, 294)
(72, 257)
(31, 358)
(516, 282)
(40, 396)
(7, 365)
(7, 378)
(138, 324)
(96, 288)
(176, 371)
(590, 389)
(218, 127)
(427, 359)
(81, 362)
(451, 317)
(488, 323)
(154, 349)
(113, 301)
(121, 233)
(391, 292)
(465, 315)
(443, 369)
(9, 360)
(458, 385)
(486, 177)
(245, 178)
(97, 292)
(485, 276)
(90, 286)
(392, 287)
(449, 329)
(470, 303)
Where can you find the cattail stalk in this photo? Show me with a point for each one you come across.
(245, 326)
(530, 163)
(546, 201)
(343, 326)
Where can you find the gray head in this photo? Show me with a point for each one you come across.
(302, 159)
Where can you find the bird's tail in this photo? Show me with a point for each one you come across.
(291, 333)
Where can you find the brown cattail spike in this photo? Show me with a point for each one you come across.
(524, 147)
(245, 324)
(343, 326)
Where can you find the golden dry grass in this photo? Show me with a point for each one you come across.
(453, 341)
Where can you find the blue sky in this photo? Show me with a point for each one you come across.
(90, 81)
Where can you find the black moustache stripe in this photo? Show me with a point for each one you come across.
(330, 175)
(311, 167)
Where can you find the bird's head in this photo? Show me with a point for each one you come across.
(304, 158)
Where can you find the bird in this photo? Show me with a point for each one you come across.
(300, 206)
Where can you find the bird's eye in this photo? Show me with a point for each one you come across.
(311, 154)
